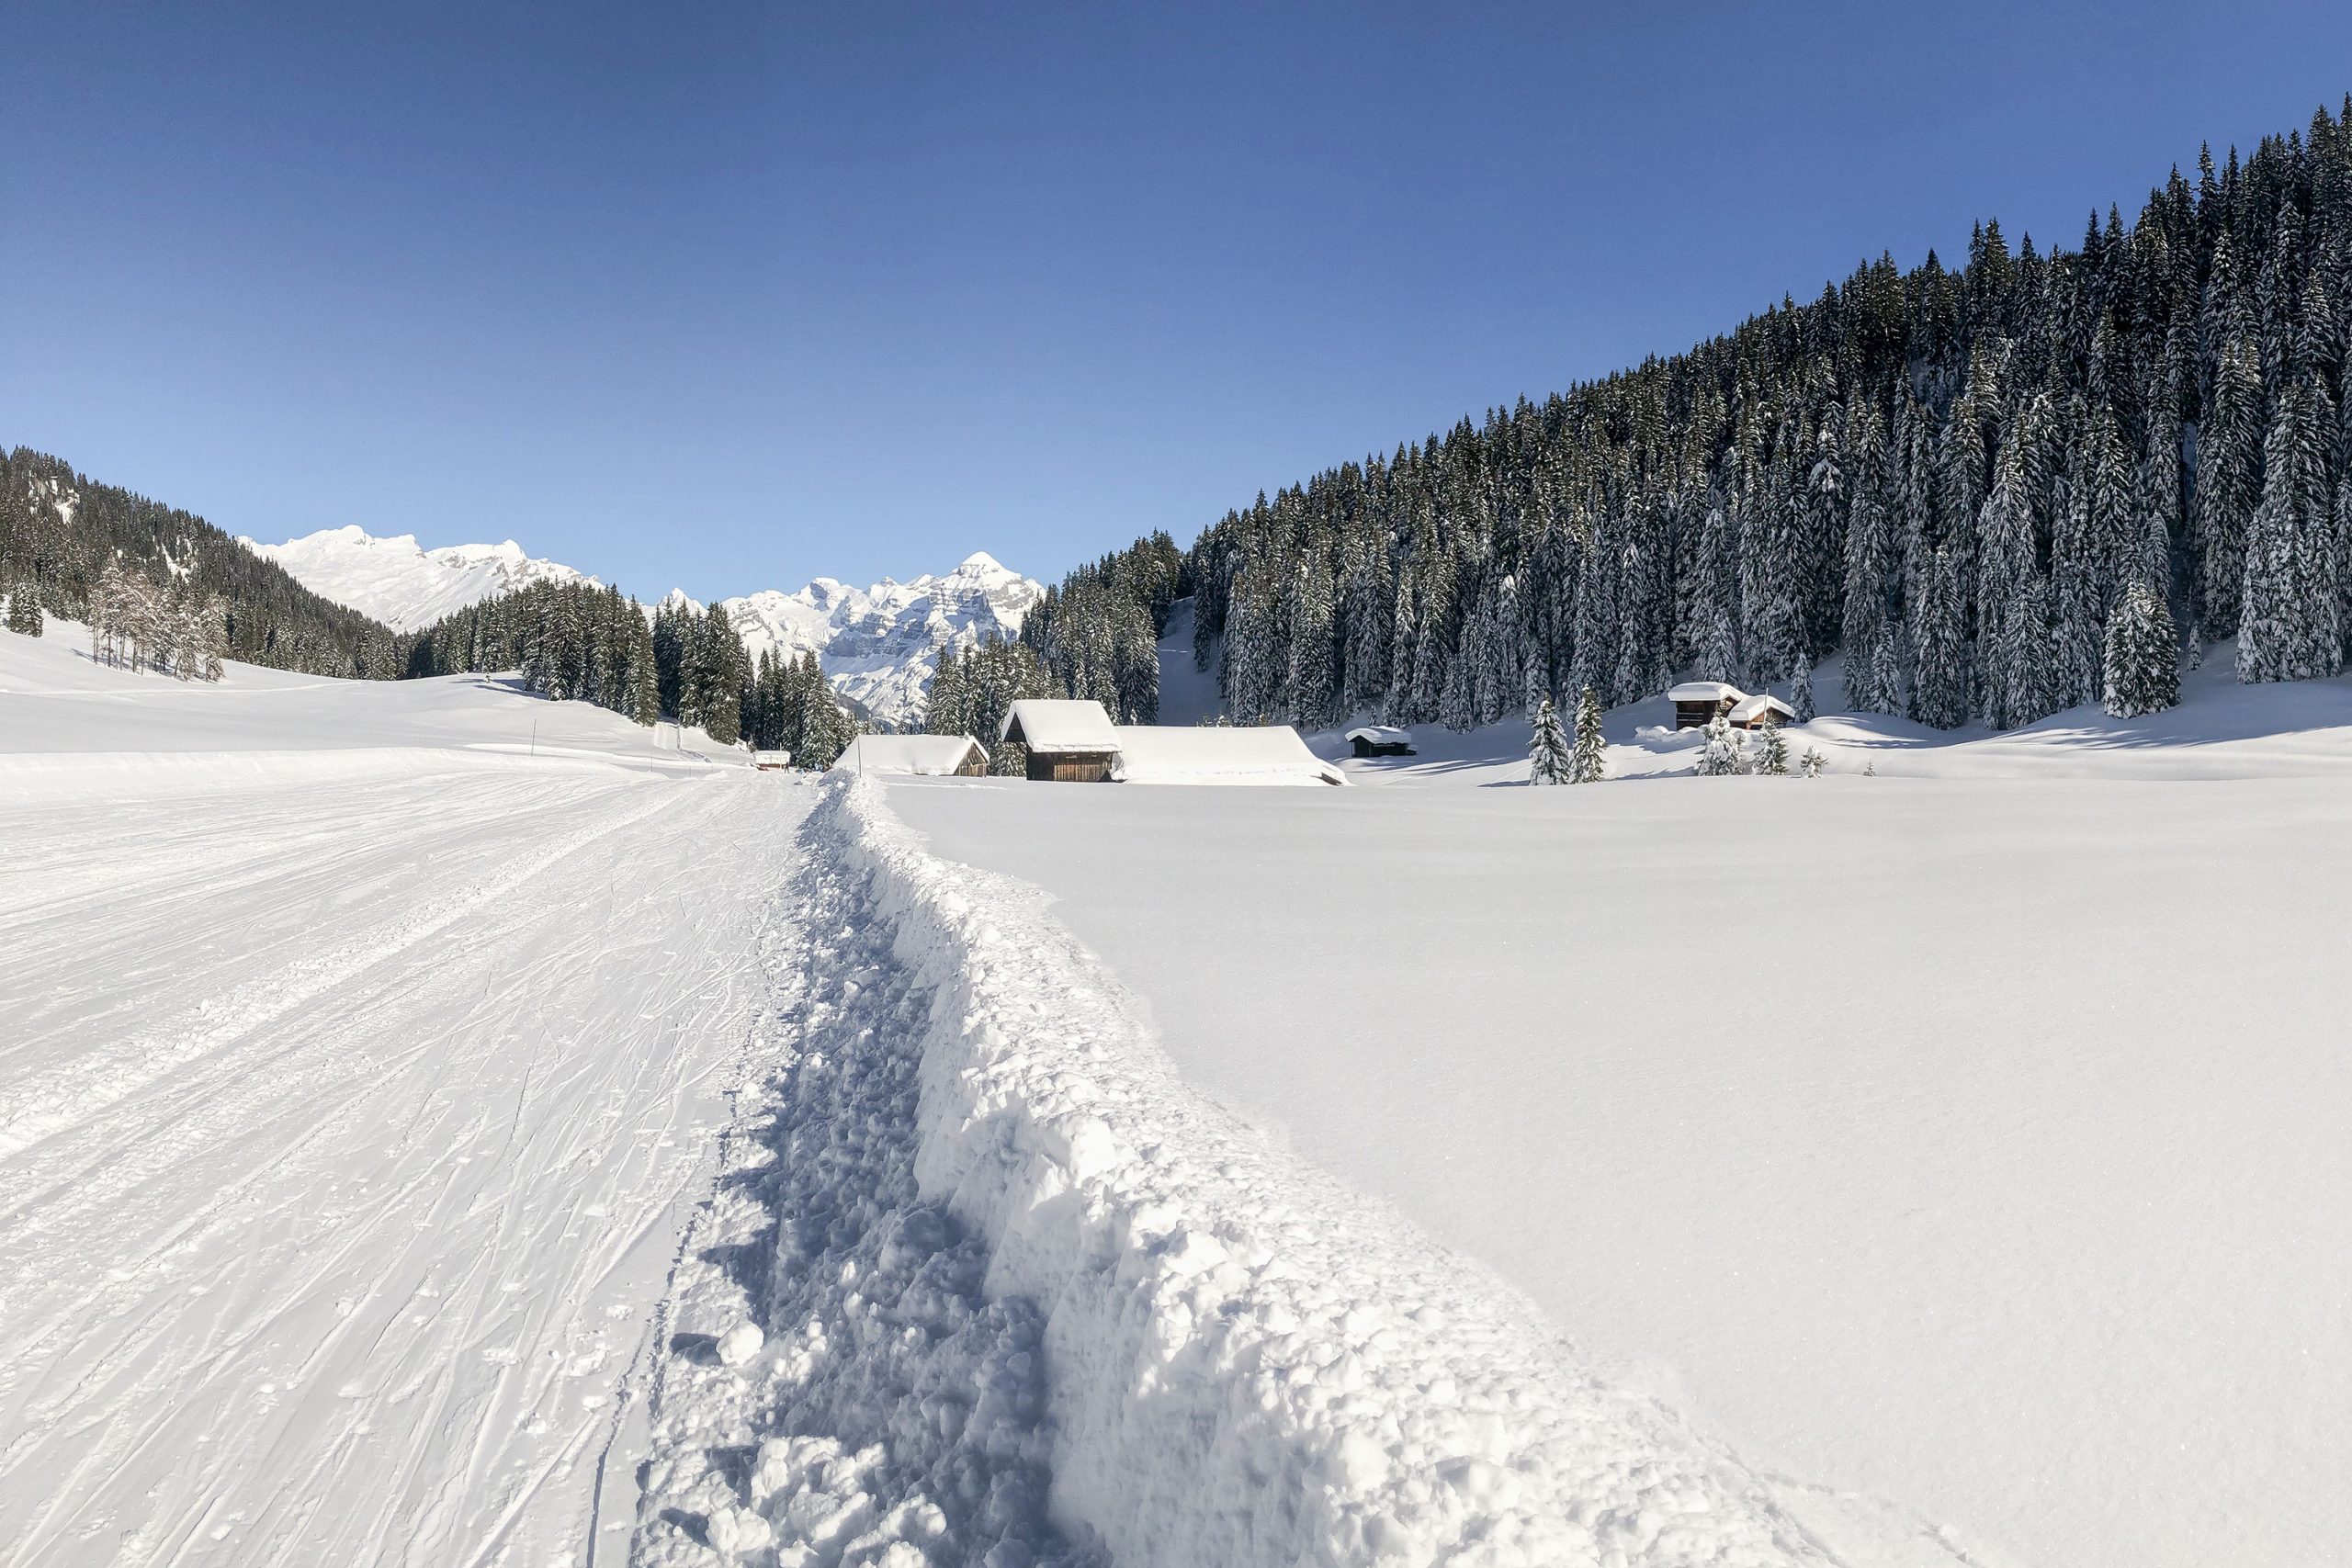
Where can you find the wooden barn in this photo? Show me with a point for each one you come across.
(769, 761)
(1069, 741)
(1749, 712)
(1380, 740)
(1696, 702)
(926, 756)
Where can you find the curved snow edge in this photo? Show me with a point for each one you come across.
(1249, 1363)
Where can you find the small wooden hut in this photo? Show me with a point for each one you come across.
(1380, 740)
(925, 756)
(1749, 712)
(1069, 741)
(769, 761)
(1696, 702)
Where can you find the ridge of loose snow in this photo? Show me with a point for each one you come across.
(975, 1148)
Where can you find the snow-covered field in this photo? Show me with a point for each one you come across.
(1969, 1136)
(440, 1126)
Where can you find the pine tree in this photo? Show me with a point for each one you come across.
(1939, 693)
(24, 608)
(1801, 691)
(2141, 664)
(2288, 628)
(1811, 763)
(1548, 757)
(1591, 762)
(1772, 752)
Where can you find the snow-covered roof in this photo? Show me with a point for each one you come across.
(1752, 708)
(778, 759)
(1220, 754)
(935, 755)
(1059, 724)
(1380, 735)
(1705, 692)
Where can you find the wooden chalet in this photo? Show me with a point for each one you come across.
(1380, 740)
(1748, 713)
(1069, 741)
(1697, 703)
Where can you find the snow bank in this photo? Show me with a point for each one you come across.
(1243, 1361)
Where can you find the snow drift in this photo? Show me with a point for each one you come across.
(1244, 1362)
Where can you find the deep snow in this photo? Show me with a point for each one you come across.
(1972, 1141)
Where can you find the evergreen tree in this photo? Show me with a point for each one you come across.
(1811, 763)
(24, 608)
(2288, 628)
(1589, 765)
(1548, 753)
(1801, 691)
(2142, 665)
(1723, 752)
(1772, 752)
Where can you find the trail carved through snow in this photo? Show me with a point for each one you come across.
(347, 1132)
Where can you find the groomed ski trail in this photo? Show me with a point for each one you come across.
(350, 1123)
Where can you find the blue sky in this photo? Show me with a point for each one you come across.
(728, 297)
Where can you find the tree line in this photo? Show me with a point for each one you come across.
(2035, 480)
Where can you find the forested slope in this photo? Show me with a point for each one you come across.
(1999, 488)
(59, 529)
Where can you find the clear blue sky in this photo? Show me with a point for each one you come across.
(732, 295)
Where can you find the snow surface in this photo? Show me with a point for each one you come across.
(1119, 1317)
(2017, 1197)
(358, 1075)
(1220, 754)
(1060, 723)
(401, 584)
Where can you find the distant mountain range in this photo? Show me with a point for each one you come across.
(879, 645)
(403, 585)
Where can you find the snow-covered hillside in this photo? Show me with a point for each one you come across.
(401, 584)
(880, 644)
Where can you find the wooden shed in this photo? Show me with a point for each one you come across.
(1696, 702)
(1380, 740)
(1749, 712)
(769, 761)
(1069, 741)
(926, 756)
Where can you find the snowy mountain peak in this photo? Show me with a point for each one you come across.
(401, 583)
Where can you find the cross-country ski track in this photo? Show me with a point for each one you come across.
(346, 1144)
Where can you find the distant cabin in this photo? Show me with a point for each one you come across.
(1748, 713)
(1220, 754)
(768, 761)
(1380, 740)
(1696, 702)
(1069, 741)
(926, 756)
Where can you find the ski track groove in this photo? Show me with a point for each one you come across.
(316, 1208)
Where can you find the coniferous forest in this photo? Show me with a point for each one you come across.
(57, 563)
(2033, 479)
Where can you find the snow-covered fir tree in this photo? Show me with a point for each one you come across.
(1550, 759)
(1801, 691)
(1811, 763)
(2142, 664)
(1772, 749)
(1589, 765)
(1723, 752)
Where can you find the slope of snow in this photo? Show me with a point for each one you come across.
(1244, 1362)
(358, 1072)
(880, 644)
(405, 586)
(1969, 1136)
